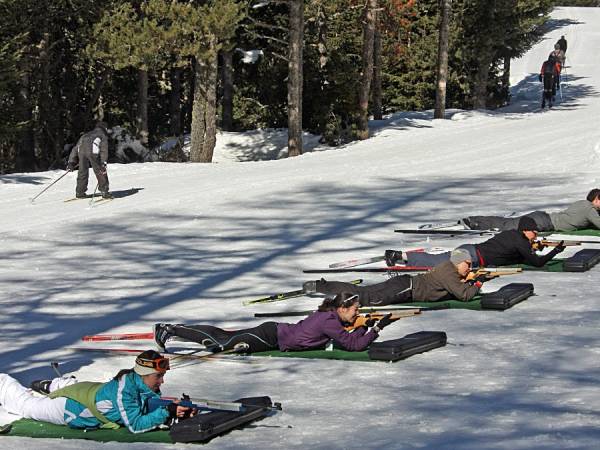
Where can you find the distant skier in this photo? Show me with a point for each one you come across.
(562, 43)
(314, 332)
(578, 215)
(559, 56)
(91, 150)
(120, 402)
(548, 75)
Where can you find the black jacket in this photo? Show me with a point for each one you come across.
(509, 248)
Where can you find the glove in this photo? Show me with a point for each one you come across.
(172, 409)
(480, 279)
(370, 322)
(560, 247)
(383, 322)
(540, 77)
(71, 166)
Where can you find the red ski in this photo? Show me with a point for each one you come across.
(118, 337)
(373, 269)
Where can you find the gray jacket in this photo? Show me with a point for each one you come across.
(578, 215)
(92, 144)
(441, 283)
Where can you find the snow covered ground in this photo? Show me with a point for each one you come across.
(193, 241)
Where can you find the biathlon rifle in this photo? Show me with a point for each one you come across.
(543, 243)
(201, 404)
(362, 319)
(493, 272)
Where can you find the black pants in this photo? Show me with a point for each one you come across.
(395, 290)
(85, 161)
(259, 339)
(549, 90)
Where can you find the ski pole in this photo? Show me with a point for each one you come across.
(94, 195)
(50, 185)
(560, 88)
(54, 365)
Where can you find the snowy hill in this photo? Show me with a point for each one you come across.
(187, 243)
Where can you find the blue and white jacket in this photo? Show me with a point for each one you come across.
(122, 401)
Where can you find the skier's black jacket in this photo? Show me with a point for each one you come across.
(511, 247)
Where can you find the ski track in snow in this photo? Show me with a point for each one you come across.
(197, 240)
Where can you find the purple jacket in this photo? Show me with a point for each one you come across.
(317, 329)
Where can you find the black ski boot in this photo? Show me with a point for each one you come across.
(312, 286)
(162, 333)
(309, 287)
(41, 386)
(392, 256)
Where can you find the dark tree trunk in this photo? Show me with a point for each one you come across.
(377, 101)
(175, 101)
(227, 102)
(142, 107)
(87, 120)
(295, 77)
(442, 63)
(204, 129)
(212, 76)
(481, 80)
(189, 78)
(25, 152)
(485, 56)
(46, 107)
(370, 18)
(506, 80)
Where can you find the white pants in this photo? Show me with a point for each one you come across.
(17, 399)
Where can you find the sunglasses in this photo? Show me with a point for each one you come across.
(349, 301)
(159, 364)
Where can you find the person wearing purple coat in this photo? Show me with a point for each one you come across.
(315, 332)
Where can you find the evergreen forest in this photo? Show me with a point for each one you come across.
(158, 69)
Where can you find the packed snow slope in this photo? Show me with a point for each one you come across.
(190, 242)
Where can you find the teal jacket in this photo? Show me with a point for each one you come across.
(122, 401)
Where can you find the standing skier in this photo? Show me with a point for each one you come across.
(559, 57)
(548, 75)
(91, 150)
(562, 44)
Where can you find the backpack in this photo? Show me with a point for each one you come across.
(549, 68)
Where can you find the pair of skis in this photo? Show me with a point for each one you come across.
(147, 336)
(362, 261)
(284, 295)
(194, 356)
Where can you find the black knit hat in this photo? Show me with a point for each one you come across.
(527, 224)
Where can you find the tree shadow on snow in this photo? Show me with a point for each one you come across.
(527, 95)
(19, 178)
(556, 24)
(142, 264)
